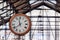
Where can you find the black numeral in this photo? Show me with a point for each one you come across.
(26, 24)
(16, 29)
(19, 30)
(25, 21)
(19, 17)
(25, 27)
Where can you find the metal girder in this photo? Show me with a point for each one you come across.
(23, 6)
(27, 9)
(20, 6)
(33, 7)
(54, 7)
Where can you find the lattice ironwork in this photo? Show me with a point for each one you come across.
(20, 6)
(44, 27)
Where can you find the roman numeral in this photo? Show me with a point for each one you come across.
(16, 29)
(26, 24)
(25, 21)
(19, 30)
(19, 17)
(25, 27)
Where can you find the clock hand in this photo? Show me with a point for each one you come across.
(16, 26)
(19, 21)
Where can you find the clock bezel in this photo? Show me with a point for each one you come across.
(27, 30)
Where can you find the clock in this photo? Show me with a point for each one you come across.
(20, 24)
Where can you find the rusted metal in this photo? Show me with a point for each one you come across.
(25, 7)
(52, 7)
(58, 5)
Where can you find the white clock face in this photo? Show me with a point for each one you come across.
(20, 24)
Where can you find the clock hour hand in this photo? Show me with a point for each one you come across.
(16, 26)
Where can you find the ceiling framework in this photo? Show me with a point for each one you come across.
(39, 26)
(20, 6)
(24, 5)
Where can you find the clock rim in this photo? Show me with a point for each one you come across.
(27, 30)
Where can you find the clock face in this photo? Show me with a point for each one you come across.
(20, 24)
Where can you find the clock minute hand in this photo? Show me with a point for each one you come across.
(19, 21)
